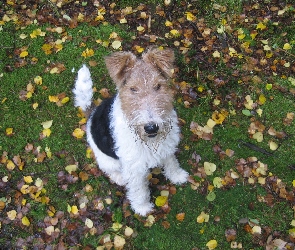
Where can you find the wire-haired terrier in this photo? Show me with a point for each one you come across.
(137, 129)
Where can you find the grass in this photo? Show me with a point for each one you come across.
(233, 203)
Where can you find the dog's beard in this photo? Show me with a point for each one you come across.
(152, 141)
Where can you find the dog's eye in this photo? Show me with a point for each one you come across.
(157, 87)
(134, 89)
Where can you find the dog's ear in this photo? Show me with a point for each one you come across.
(163, 59)
(119, 65)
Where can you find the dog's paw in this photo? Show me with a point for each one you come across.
(117, 178)
(179, 176)
(143, 209)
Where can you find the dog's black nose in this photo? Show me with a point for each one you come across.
(151, 129)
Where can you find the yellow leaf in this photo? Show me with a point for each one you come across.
(11, 214)
(190, 16)
(217, 182)
(23, 36)
(38, 183)
(273, 146)
(24, 54)
(216, 54)
(168, 23)
(139, 49)
(150, 221)
(28, 179)
(35, 105)
(9, 131)
(53, 98)
(71, 168)
(116, 44)
(203, 217)
(174, 32)
(266, 47)
(74, 209)
(241, 36)
(54, 70)
(116, 226)
(65, 100)
(259, 112)
(87, 53)
(256, 230)
(25, 221)
(10, 165)
(218, 117)
(58, 47)
(287, 46)
(46, 132)
(47, 48)
(88, 153)
(78, 133)
(268, 86)
(140, 28)
(209, 167)
(293, 183)
(262, 99)
(58, 30)
(38, 80)
(253, 34)
(123, 20)
(232, 52)
(24, 201)
(212, 244)
(161, 200)
(258, 136)
(260, 26)
(47, 124)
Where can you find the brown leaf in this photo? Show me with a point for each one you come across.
(166, 224)
(180, 216)
(230, 234)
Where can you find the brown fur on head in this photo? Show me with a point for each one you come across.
(143, 86)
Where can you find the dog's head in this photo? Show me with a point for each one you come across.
(144, 91)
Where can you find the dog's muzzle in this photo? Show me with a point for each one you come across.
(151, 129)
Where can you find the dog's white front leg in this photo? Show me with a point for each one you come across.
(173, 172)
(138, 191)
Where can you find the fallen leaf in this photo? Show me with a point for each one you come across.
(11, 214)
(119, 242)
(212, 244)
(25, 221)
(209, 168)
(180, 216)
(78, 133)
(161, 200)
(128, 231)
(89, 223)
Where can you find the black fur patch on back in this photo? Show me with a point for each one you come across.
(100, 128)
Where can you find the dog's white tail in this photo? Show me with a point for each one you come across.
(83, 89)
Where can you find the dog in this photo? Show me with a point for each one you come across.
(137, 129)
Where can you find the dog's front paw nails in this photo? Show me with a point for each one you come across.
(143, 209)
(179, 177)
